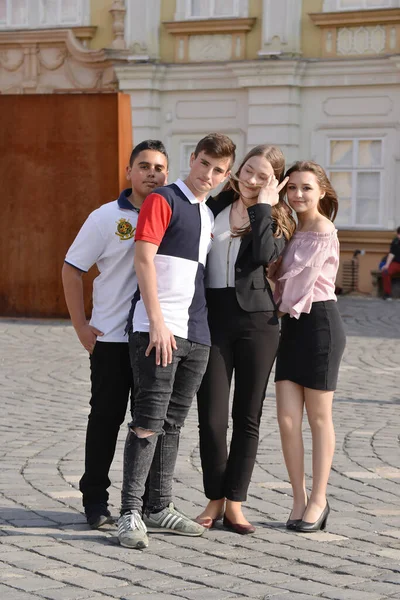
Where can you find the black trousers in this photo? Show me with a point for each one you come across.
(245, 343)
(112, 383)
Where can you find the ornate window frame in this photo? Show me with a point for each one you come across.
(359, 32)
(230, 33)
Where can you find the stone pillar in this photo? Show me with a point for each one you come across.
(274, 104)
(274, 118)
(142, 82)
(118, 11)
(281, 28)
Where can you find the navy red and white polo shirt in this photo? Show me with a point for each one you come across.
(173, 219)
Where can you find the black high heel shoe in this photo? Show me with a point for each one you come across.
(292, 524)
(319, 524)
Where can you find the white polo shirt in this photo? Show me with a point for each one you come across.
(107, 240)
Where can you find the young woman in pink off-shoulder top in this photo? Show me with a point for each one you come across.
(312, 340)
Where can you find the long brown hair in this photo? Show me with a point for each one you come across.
(328, 205)
(281, 213)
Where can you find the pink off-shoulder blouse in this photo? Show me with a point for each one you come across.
(308, 271)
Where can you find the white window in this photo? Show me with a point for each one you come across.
(185, 151)
(17, 14)
(211, 9)
(355, 169)
(338, 5)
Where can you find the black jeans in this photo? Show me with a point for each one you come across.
(247, 344)
(163, 396)
(112, 383)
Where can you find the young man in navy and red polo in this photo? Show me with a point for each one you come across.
(107, 239)
(169, 338)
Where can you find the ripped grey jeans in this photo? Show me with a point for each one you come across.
(163, 396)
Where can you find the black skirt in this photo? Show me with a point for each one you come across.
(311, 347)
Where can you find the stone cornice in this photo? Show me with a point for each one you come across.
(262, 73)
(349, 18)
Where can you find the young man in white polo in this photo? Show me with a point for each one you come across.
(107, 240)
(169, 339)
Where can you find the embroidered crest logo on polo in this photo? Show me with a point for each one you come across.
(125, 230)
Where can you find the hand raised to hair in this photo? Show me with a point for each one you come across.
(269, 193)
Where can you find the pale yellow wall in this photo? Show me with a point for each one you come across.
(310, 33)
(167, 41)
(254, 37)
(101, 18)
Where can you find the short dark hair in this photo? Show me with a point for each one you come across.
(217, 145)
(155, 145)
(398, 230)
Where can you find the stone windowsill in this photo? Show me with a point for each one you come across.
(350, 18)
(207, 26)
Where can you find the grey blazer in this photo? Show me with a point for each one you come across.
(258, 248)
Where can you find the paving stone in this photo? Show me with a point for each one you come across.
(45, 543)
(352, 595)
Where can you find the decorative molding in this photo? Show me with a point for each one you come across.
(351, 106)
(118, 12)
(370, 72)
(197, 39)
(361, 40)
(209, 47)
(51, 60)
(84, 33)
(206, 109)
(362, 32)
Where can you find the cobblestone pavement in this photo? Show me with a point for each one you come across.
(47, 551)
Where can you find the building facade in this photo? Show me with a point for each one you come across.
(50, 46)
(319, 78)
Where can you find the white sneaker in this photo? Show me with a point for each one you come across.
(173, 521)
(132, 532)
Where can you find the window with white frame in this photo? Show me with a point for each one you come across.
(33, 14)
(363, 4)
(211, 9)
(355, 169)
